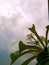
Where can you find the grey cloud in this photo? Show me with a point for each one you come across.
(16, 27)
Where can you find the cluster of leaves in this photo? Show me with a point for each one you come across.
(37, 46)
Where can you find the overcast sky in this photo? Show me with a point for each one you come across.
(15, 18)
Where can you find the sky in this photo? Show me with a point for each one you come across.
(16, 16)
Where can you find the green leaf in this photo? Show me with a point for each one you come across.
(47, 41)
(16, 55)
(48, 49)
(37, 64)
(32, 29)
(47, 27)
(46, 37)
(46, 63)
(23, 47)
(38, 37)
(43, 56)
(28, 60)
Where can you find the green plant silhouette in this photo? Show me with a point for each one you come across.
(37, 45)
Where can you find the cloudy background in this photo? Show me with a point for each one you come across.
(16, 16)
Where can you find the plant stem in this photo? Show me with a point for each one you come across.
(46, 38)
(39, 39)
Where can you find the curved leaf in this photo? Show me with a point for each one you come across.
(37, 64)
(28, 60)
(46, 38)
(47, 41)
(48, 49)
(43, 56)
(23, 47)
(32, 29)
(16, 55)
(47, 27)
(46, 63)
(38, 37)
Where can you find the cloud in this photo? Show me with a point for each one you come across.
(25, 13)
